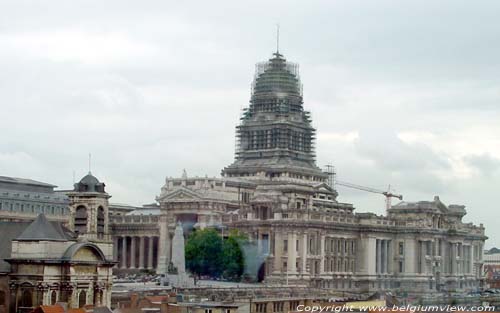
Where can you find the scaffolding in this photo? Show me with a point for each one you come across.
(275, 118)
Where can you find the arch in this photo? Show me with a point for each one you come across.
(53, 297)
(73, 249)
(2, 297)
(82, 298)
(81, 219)
(98, 297)
(100, 222)
(26, 298)
(261, 273)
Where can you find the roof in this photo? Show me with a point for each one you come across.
(51, 309)
(89, 183)
(25, 181)
(145, 211)
(157, 299)
(9, 230)
(102, 309)
(41, 229)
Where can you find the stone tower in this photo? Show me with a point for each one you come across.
(275, 137)
(89, 209)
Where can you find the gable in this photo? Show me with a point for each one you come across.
(182, 193)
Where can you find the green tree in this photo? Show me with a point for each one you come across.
(204, 253)
(233, 257)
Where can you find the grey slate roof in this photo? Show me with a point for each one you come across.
(16, 180)
(11, 230)
(42, 229)
(8, 232)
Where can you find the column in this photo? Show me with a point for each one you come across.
(150, 252)
(115, 249)
(124, 252)
(164, 244)
(278, 251)
(132, 252)
(389, 257)
(386, 256)
(141, 252)
(259, 243)
(378, 262)
(292, 253)
(423, 267)
(322, 255)
(304, 253)
(382, 256)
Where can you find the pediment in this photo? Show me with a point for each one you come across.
(263, 198)
(181, 194)
(323, 187)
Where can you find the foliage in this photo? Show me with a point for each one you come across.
(203, 253)
(234, 259)
(207, 254)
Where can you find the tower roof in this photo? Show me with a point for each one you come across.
(277, 76)
(276, 133)
(41, 229)
(89, 183)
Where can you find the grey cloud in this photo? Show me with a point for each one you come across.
(165, 92)
(486, 164)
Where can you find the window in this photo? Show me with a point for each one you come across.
(260, 307)
(26, 299)
(208, 310)
(278, 306)
(53, 297)
(401, 248)
(401, 266)
(100, 222)
(285, 245)
(82, 299)
(2, 297)
(81, 220)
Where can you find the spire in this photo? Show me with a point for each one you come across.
(278, 38)
(90, 163)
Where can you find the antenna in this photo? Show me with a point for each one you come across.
(90, 162)
(278, 38)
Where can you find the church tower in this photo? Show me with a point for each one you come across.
(275, 137)
(89, 209)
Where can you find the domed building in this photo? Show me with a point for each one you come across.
(44, 263)
(89, 209)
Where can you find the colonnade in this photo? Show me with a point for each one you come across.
(383, 262)
(136, 252)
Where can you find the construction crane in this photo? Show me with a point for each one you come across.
(388, 194)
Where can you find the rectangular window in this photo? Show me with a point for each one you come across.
(285, 245)
(401, 248)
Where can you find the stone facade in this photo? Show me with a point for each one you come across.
(23, 199)
(44, 262)
(276, 194)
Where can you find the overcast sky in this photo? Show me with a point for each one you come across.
(401, 92)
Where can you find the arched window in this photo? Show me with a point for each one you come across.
(2, 297)
(26, 299)
(82, 299)
(81, 220)
(53, 297)
(98, 298)
(100, 222)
